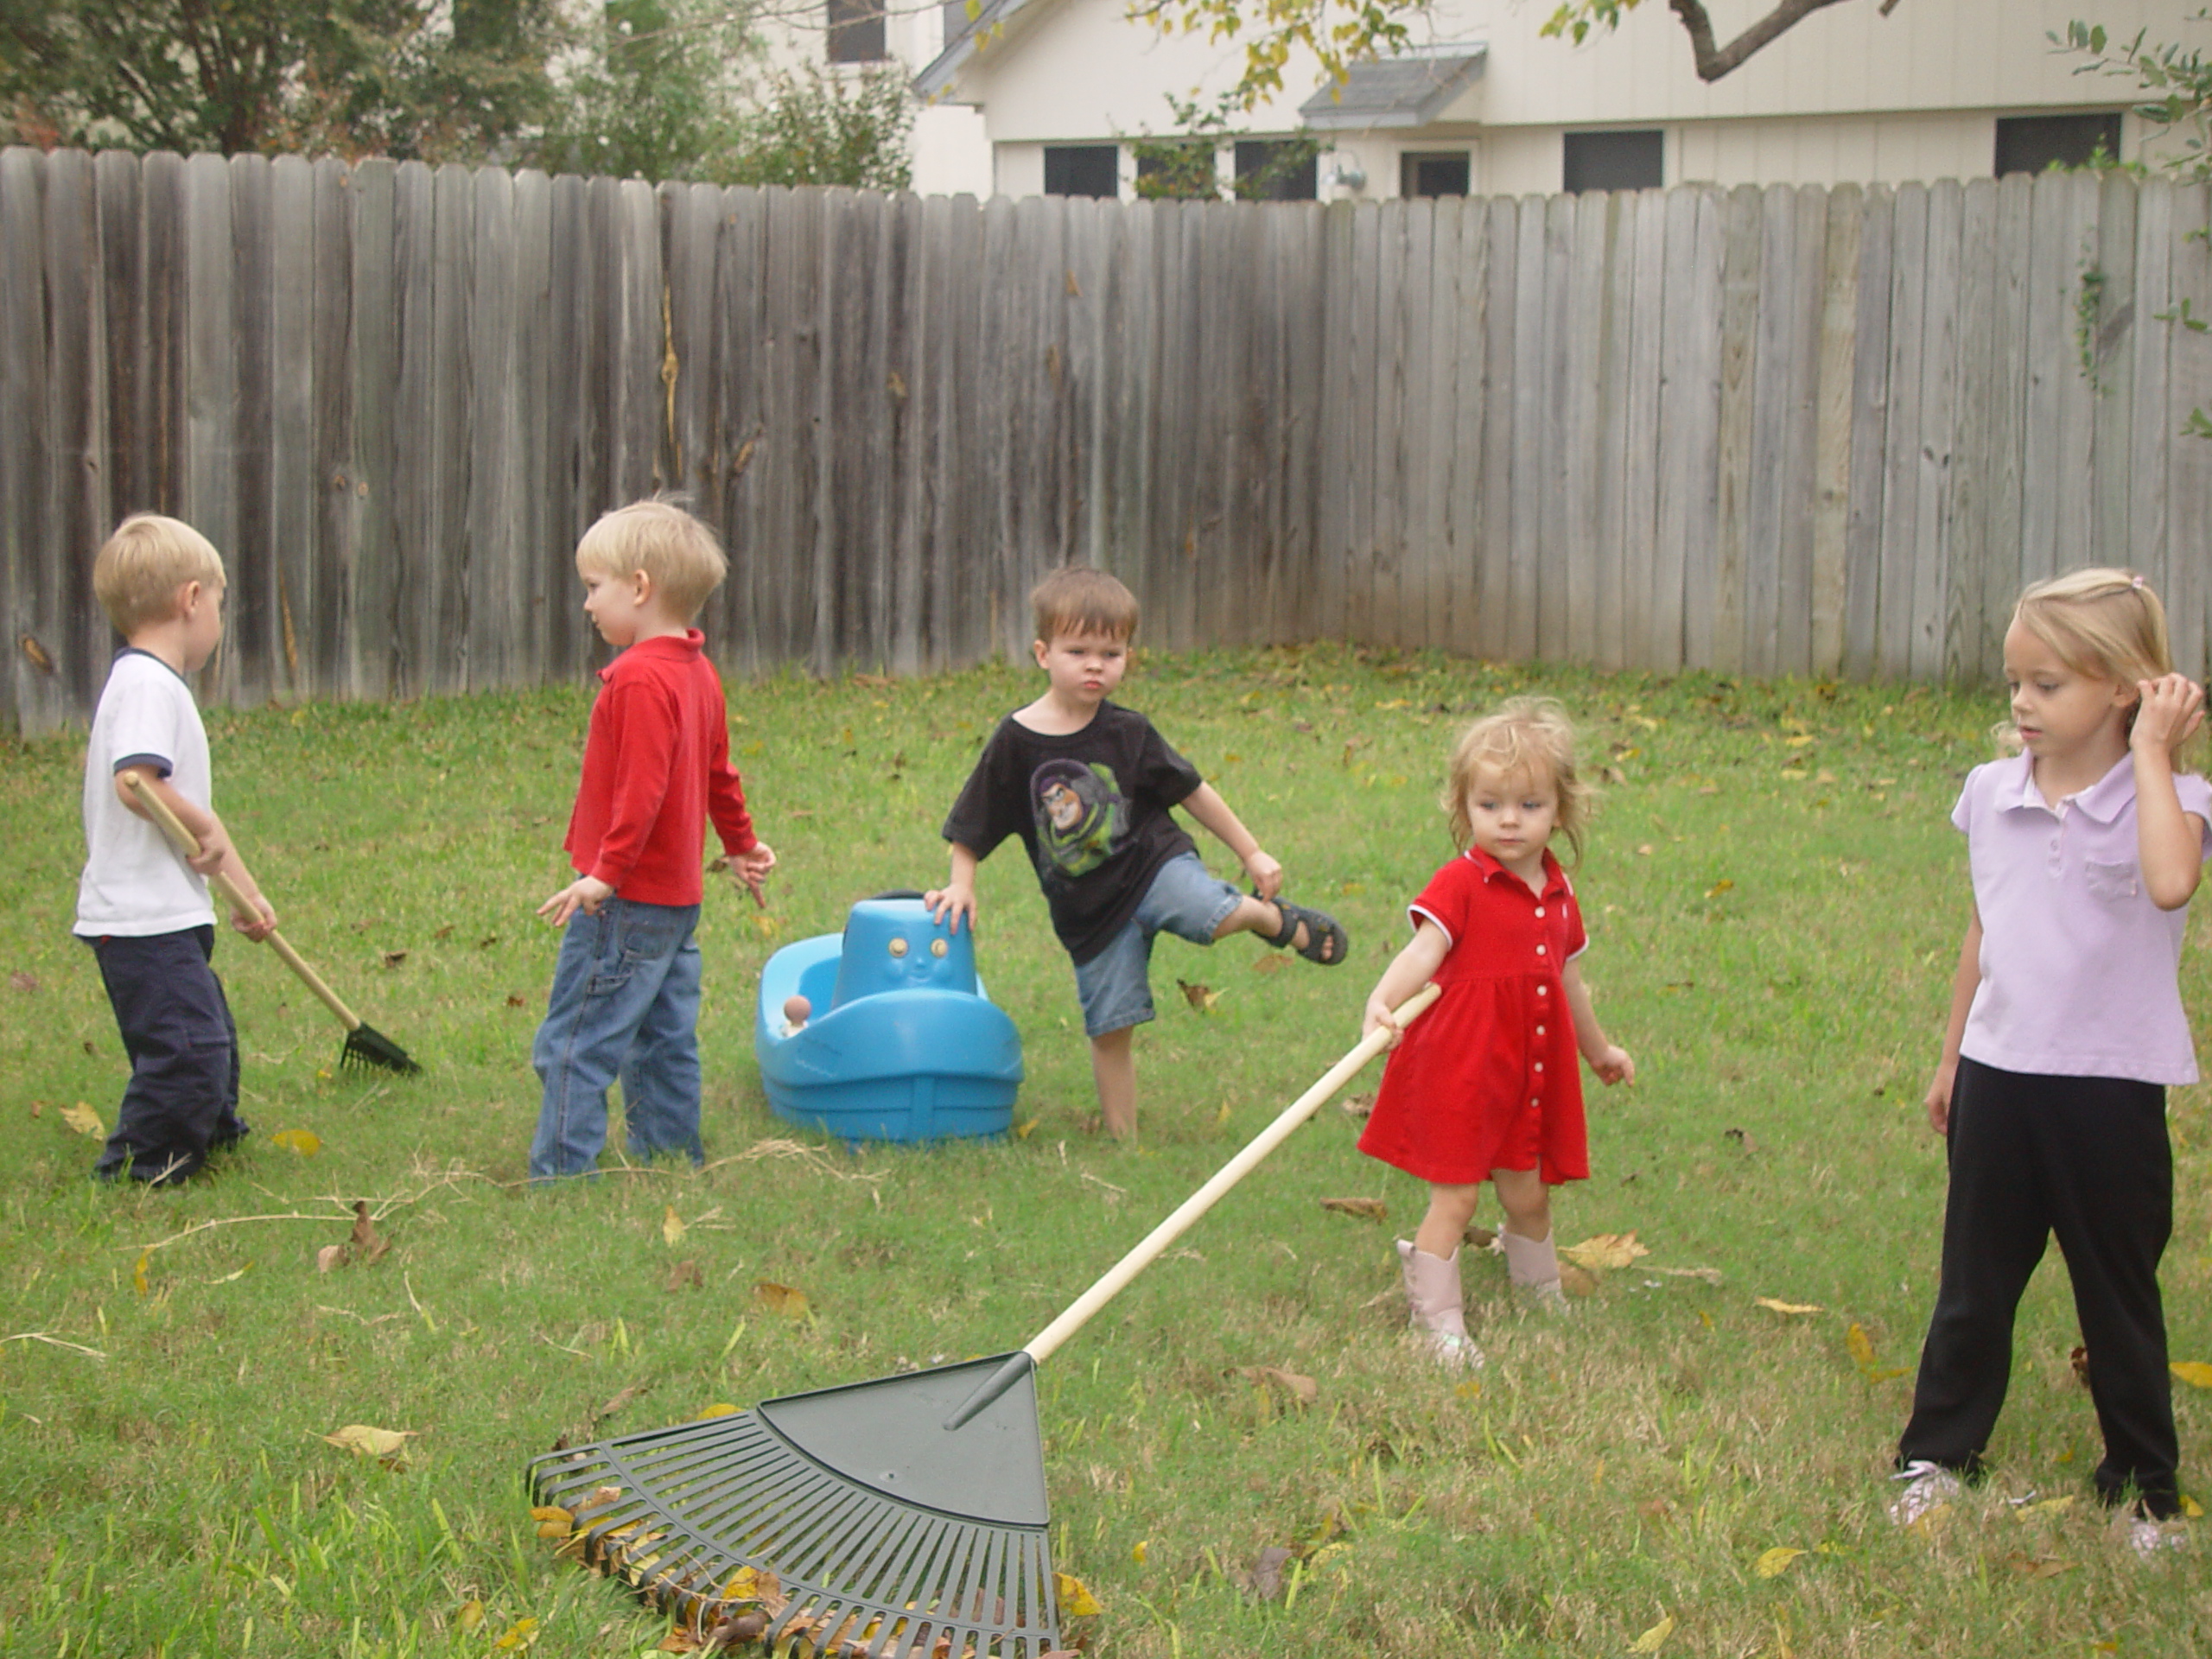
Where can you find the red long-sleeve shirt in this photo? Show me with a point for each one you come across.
(656, 768)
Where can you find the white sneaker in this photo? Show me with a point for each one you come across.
(1927, 1486)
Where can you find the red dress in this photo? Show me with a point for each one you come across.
(1489, 1078)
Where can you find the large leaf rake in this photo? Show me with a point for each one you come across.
(900, 1518)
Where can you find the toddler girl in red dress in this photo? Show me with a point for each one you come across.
(1484, 1086)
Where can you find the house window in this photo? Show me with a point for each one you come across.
(1616, 161)
(1443, 175)
(1277, 169)
(2028, 143)
(1082, 170)
(856, 31)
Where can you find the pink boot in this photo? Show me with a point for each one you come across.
(1532, 1264)
(1433, 1294)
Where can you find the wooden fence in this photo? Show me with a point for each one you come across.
(1788, 430)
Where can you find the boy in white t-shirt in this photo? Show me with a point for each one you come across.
(142, 907)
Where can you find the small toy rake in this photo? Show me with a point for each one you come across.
(365, 1045)
(900, 1518)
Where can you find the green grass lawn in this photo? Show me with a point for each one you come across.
(1774, 898)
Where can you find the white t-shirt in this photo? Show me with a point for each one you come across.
(134, 883)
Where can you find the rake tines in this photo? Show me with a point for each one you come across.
(728, 1523)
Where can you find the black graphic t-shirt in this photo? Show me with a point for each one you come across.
(1090, 806)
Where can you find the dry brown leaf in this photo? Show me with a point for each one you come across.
(1264, 1581)
(2039, 1566)
(1304, 1389)
(393, 958)
(1481, 1238)
(1273, 962)
(330, 1258)
(21, 982)
(635, 1391)
(87, 1122)
(38, 1108)
(1711, 1275)
(1787, 1307)
(371, 1243)
(1366, 1209)
(781, 1298)
(1605, 1250)
(1354, 1105)
(1575, 1280)
(1204, 998)
(513, 1001)
(685, 1276)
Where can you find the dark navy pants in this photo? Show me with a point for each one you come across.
(2085, 1158)
(182, 1102)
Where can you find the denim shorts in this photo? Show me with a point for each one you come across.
(1185, 899)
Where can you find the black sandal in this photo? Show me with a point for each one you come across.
(1325, 942)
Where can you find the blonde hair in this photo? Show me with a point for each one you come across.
(2103, 622)
(675, 550)
(1075, 598)
(1530, 736)
(141, 567)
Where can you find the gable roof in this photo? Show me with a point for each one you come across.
(989, 22)
(1409, 90)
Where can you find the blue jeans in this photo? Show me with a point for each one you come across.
(624, 1002)
(1185, 899)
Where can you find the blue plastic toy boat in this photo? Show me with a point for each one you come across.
(900, 1042)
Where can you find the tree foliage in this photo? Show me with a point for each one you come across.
(428, 79)
(2176, 80)
(1340, 33)
(657, 94)
(1185, 165)
(813, 128)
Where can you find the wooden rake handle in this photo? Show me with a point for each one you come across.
(1149, 1248)
(188, 844)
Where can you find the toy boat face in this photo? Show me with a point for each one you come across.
(905, 1045)
(892, 945)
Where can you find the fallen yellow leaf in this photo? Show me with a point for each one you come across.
(719, 1409)
(1136, 1554)
(1773, 1563)
(781, 1298)
(1606, 1250)
(672, 1227)
(470, 1615)
(1655, 1638)
(1026, 1128)
(87, 1122)
(360, 1439)
(138, 1272)
(2192, 1508)
(1075, 1599)
(306, 1143)
(2195, 1372)
(1787, 1307)
(1368, 1209)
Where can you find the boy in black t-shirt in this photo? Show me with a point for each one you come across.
(1087, 785)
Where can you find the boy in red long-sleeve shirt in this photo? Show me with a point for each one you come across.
(626, 989)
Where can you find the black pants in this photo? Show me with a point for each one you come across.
(2087, 1159)
(181, 1101)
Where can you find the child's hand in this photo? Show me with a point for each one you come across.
(1612, 1065)
(1266, 874)
(949, 903)
(259, 925)
(750, 870)
(2172, 710)
(1938, 1100)
(1376, 1016)
(585, 893)
(215, 850)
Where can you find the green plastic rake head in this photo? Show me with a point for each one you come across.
(901, 1518)
(848, 1515)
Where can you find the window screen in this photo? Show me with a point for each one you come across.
(1082, 170)
(1433, 175)
(1616, 161)
(2028, 143)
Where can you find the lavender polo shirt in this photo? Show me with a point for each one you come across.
(2079, 968)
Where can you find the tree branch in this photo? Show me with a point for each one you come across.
(1714, 61)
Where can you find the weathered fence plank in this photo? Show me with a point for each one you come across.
(1795, 430)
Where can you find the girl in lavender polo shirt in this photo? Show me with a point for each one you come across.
(2066, 1027)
